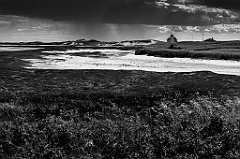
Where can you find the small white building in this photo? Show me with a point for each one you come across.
(172, 40)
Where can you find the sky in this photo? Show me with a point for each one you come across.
(115, 20)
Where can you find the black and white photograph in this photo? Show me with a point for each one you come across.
(120, 79)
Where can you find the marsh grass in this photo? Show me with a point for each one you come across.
(211, 50)
(118, 114)
(202, 128)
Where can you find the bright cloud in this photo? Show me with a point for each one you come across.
(216, 29)
(205, 14)
(159, 4)
(162, 4)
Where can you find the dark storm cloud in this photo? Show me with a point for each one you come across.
(226, 4)
(112, 11)
(54, 9)
(160, 12)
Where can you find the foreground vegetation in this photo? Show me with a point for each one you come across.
(118, 114)
(104, 128)
(229, 50)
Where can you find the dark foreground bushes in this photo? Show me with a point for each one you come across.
(201, 128)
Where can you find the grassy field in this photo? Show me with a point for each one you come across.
(229, 50)
(116, 114)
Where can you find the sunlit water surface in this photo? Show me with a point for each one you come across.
(17, 49)
(115, 59)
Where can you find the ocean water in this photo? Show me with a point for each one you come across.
(115, 59)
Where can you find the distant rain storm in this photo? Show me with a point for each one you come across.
(117, 20)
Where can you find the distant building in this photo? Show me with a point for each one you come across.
(210, 40)
(172, 40)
